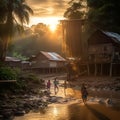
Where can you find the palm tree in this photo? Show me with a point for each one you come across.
(13, 15)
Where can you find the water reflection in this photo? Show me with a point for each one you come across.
(75, 110)
(43, 111)
(55, 111)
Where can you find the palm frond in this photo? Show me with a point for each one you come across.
(27, 8)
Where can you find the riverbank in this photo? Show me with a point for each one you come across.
(100, 90)
(105, 87)
(71, 107)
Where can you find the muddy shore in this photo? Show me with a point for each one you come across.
(98, 87)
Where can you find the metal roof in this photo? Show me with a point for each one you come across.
(114, 36)
(12, 59)
(53, 56)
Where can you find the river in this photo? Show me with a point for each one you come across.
(73, 109)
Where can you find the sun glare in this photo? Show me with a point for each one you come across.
(52, 27)
(52, 22)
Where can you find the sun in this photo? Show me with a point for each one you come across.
(52, 27)
(52, 22)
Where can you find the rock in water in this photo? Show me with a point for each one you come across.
(109, 102)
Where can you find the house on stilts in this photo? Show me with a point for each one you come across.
(104, 53)
(101, 50)
(47, 62)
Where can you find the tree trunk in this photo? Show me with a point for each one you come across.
(3, 48)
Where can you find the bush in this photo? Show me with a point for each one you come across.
(31, 78)
(7, 73)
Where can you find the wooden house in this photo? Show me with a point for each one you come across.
(47, 62)
(100, 55)
(13, 62)
(25, 65)
(104, 53)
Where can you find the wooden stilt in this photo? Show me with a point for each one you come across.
(95, 69)
(101, 69)
(56, 70)
(111, 67)
(88, 69)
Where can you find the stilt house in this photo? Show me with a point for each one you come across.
(47, 62)
(104, 53)
(101, 50)
(13, 62)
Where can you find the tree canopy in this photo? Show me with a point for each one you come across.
(104, 14)
(35, 39)
(76, 10)
(13, 14)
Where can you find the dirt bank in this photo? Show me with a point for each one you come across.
(105, 87)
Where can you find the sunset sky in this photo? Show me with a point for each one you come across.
(47, 11)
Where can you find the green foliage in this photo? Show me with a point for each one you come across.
(3, 8)
(31, 78)
(104, 14)
(19, 56)
(6, 73)
(35, 39)
(75, 10)
(13, 14)
(2, 64)
(27, 82)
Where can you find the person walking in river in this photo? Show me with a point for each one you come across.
(56, 88)
(84, 93)
(65, 86)
(48, 85)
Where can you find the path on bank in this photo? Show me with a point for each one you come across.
(71, 107)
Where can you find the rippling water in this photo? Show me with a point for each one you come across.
(73, 110)
(53, 112)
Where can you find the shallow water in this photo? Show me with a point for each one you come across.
(59, 111)
(73, 109)
(53, 112)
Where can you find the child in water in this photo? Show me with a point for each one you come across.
(48, 85)
(56, 89)
(84, 93)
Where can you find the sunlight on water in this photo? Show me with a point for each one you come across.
(74, 109)
(55, 111)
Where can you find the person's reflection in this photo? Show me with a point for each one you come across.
(65, 87)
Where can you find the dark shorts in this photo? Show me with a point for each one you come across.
(84, 96)
(48, 87)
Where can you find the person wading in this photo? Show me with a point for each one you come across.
(84, 93)
(65, 86)
(56, 89)
(48, 85)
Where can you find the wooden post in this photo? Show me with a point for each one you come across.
(111, 67)
(48, 70)
(88, 69)
(56, 70)
(111, 64)
(101, 69)
(95, 69)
